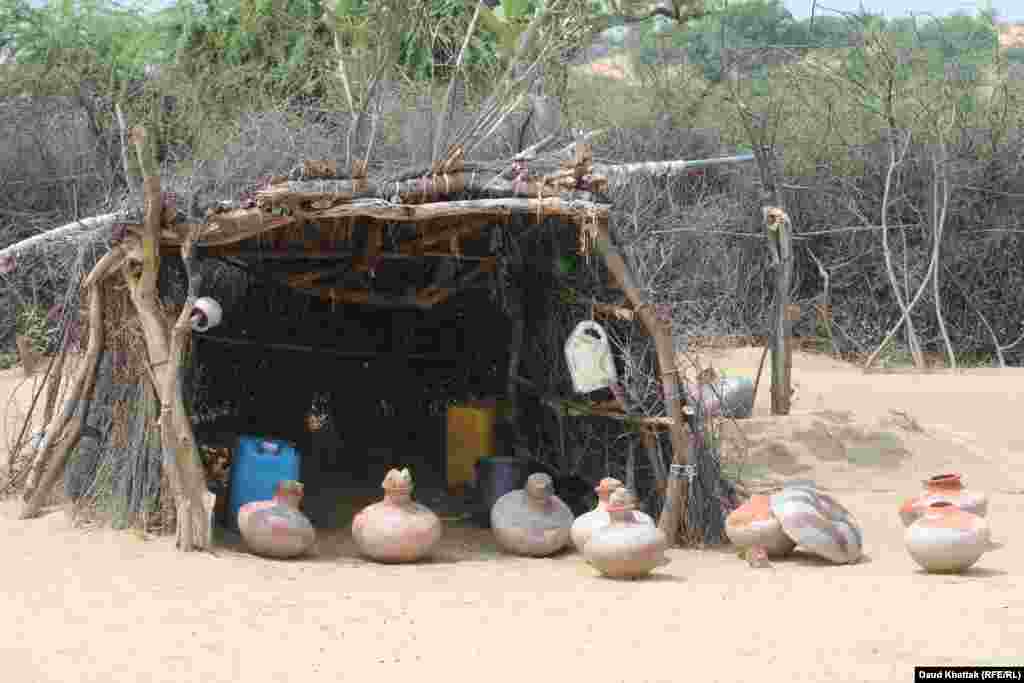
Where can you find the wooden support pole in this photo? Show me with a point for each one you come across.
(780, 248)
(166, 349)
(673, 522)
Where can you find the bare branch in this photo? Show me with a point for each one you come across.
(441, 134)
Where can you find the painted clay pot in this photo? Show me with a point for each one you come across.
(753, 526)
(626, 548)
(276, 528)
(598, 518)
(948, 488)
(532, 521)
(396, 529)
(818, 523)
(947, 539)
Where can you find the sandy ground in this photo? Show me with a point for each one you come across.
(105, 606)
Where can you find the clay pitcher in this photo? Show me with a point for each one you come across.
(753, 527)
(587, 523)
(626, 548)
(396, 529)
(948, 488)
(947, 539)
(532, 521)
(276, 528)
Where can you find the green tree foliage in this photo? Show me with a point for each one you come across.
(77, 38)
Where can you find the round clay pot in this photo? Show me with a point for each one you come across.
(626, 548)
(947, 539)
(818, 523)
(752, 525)
(396, 529)
(943, 488)
(598, 518)
(532, 521)
(276, 528)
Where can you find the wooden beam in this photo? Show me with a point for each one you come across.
(577, 408)
(408, 213)
(241, 224)
(337, 353)
(424, 298)
(306, 279)
(301, 254)
(446, 236)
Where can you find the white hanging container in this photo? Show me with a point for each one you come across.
(589, 355)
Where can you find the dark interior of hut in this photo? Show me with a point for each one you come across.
(360, 389)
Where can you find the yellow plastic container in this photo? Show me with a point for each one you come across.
(470, 437)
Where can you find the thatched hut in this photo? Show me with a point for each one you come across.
(362, 308)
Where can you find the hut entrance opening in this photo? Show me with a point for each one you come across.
(357, 387)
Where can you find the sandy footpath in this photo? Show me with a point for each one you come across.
(105, 606)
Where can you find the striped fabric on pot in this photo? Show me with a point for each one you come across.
(818, 524)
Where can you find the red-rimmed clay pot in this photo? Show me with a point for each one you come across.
(598, 518)
(532, 521)
(396, 529)
(753, 526)
(626, 548)
(276, 528)
(947, 539)
(944, 488)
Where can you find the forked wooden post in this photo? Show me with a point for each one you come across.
(780, 248)
(165, 349)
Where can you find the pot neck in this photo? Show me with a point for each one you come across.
(288, 500)
(621, 515)
(538, 502)
(944, 484)
(398, 496)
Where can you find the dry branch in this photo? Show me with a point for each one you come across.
(940, 204)
(618, 174)
(895, 160)
(63, 233)
(108, 263)
(59, 449)
(241, 224)
(441, 134)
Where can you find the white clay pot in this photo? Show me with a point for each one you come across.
(598, 518)
(532, 521)
(276, 528)
(946, 539)
(626, 548)
(396, 529)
